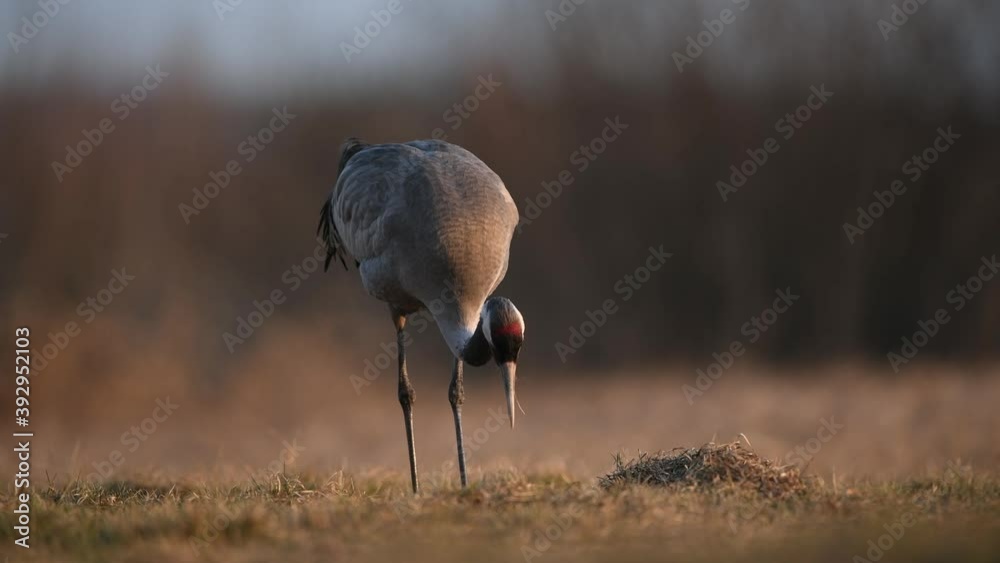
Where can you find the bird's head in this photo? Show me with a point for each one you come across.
(503, 328)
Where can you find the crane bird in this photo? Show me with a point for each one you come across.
(428, 226)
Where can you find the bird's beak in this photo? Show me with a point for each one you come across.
(509, 372)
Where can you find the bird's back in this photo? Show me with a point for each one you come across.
(422, 219)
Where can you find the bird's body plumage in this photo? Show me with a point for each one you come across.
(430, 226)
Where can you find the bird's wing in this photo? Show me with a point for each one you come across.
(360, 213)
(327, 223)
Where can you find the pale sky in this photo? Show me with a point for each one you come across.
(274, 48)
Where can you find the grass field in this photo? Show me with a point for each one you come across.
(906, 463)
(507, 516)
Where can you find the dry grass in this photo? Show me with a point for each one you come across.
(507, 516)
(185, 494)
(711, 465)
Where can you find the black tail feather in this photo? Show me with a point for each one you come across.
(331, 237)
(326, 227)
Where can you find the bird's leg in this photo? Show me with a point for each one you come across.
(456, 394)
(406, 399)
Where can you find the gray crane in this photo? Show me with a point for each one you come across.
(428, 226)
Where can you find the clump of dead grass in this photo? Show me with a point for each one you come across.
(709, 466)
